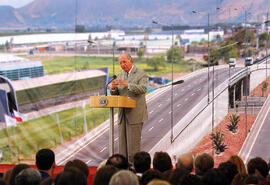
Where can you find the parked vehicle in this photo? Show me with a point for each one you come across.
(248, 61)
(232, 62)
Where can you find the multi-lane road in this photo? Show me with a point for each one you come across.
(95, 148)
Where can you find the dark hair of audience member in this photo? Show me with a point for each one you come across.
(191, 179)
(47, 181)
(104, 174)
(214, 177)
(119, 161)
(78, 164)
(167, 175)
(6, 175)
(15, 171)
(2, 182)
(142, 161)
(162, 161)
(239, 163)
(150, 175)
(239, 179)
(229, 169)
(251, 179)
(178, 174)
(258, 164)
(28, 176)
(71, 176)
(264, 183)
(203, 163)
(45, 159)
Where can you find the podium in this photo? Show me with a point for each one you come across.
(111, 102)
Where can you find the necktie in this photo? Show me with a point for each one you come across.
(126, 76)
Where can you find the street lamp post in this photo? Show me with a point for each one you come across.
(172, 60)
(208, 53)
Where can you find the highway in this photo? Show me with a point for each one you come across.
(186, 96)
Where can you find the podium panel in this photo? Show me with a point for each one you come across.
(112, 101)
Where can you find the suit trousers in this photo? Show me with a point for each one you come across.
(129, 138)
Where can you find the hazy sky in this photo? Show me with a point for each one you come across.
(15, 3)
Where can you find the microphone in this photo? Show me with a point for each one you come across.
(113, 78)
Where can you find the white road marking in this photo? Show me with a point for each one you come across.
(103, 149)
(151, 112)
(186, 99)
(198, 89)
(192, 94)
(178, 105)
(150, 129)
(160, 120)
(88, 161)
(170, 112)
(159, 105)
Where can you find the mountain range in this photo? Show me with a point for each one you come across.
(126, 13)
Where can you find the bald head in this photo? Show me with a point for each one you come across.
(125, 62)
(186, 161)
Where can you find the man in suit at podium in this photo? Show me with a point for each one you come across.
(131, 82)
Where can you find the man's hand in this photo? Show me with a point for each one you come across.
(122, 82)
(114, 84)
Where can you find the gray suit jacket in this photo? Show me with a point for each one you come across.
(137, 86)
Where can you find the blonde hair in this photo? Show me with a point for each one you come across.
(239, 163)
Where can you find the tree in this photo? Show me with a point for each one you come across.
(264, 88)
(174, 54)
(218, 138)
(140, 53)
(156, 62)
(234, 120)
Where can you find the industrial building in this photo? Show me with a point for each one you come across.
(17, 68)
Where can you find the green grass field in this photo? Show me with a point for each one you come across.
(22, 142)
(53, 65)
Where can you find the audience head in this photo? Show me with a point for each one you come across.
(229, 169)
(251, 179)
(142, 162)
(257, 165)
(191, 179)
(47, 181)
(162, 161)
(119, 161)
(239, 179)
(150, 175)
(45, 159)
(178, 174)
(185, 160)
(158, 182)
(124, 177)
(2, 182)
(6, 176)
(239, 163)
(15, 171)
(104, 174)
(71, 176)
(78, 164)
(214, 177)
(28, 176)
(203, 162)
